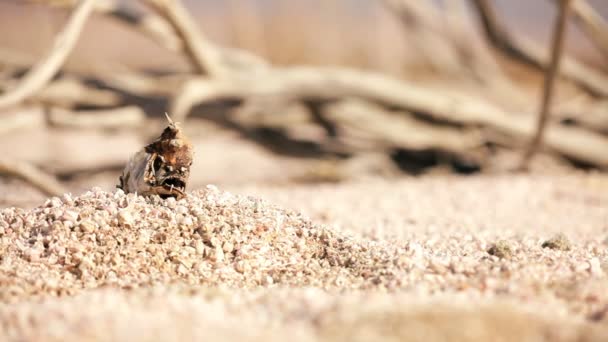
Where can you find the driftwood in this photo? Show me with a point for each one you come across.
(326, 84)
(453, 49)
(40, 74)
(372, 128)
(160, 31)
(352, 112)
(70, 92)
(592, 24)
(206, 59)
(31, 175)
(549, 85)
(422, 20)
(120, 118)
(26, 118)
(591, 80)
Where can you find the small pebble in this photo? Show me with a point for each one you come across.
(559, 242)
(125, 218)
(501, 249)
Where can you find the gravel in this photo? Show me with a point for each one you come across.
(210, 238)
(413, 252)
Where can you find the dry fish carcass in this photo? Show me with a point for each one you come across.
(161, 168)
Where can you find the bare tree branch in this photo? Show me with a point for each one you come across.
(423, 21)
(118, 118)
(549, 84)
(592, 23)
(160, 31)
(329, 84)
(71, 91)
(32, 175)
(26, 118)
(205, 58)
(38, 76)
(591, 80)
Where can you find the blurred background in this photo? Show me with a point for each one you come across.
(280, 92)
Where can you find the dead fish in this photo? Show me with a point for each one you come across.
(161, 168)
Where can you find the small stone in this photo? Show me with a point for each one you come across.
(228, 247)
(267, 280)
(33, 255)
(200, 247)
(87, 226)
(186, 221)
(170, 202)
(595, 267)
(69, 215)
(57, 226)
(559, 242)
(182, 210)
(214, 241)
(53, 202)
(125, 218)
(67, 199)
(241, 266)
(217, 255)
(501, 249)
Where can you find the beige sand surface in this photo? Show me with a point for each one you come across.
(363, 260)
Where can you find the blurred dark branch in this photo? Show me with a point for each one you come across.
(41, 73)
(117, 118)
(163, 33)
(204, 57)
(31, 175)
(152, 26)
(346, 112)
(422, 23)
(531, 54)
(331, 84)
(450, 48)
(69, 92)
(557, 48)
(592, 23)
(26, 118)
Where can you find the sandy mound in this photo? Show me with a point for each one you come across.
(209, 238)
(430, 259)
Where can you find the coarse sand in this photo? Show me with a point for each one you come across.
(421, 259)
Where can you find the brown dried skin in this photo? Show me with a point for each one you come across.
(162, 167)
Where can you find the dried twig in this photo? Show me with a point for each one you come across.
(327, 84)
(159, 30)
(592, 23)
(118, 118)
(591, 80)
(451, 50)
(372, 125)
(205, 58)
(42, 72)
(26, 118)
(549, 84)
(32, 175)
(423, 21)
(150, 25)
(69, 92)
